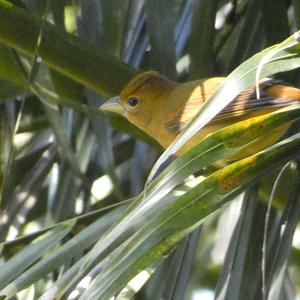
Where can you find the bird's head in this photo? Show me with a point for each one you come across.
(141, 100)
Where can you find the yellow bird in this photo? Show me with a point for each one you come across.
(162, 108)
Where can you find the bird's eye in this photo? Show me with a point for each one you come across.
(133, 101)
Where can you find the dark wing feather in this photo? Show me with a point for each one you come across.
(247, 101)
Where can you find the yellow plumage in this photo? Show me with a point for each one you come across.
(162, 108)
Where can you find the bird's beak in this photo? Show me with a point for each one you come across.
(112, 105)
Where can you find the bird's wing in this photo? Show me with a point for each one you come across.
(246, 103)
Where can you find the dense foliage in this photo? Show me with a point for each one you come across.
(79, 218)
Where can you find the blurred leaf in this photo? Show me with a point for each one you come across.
(57, 8)
(274, 13)
(158, 16)
(8, 90)
(202, 38)
(63, 52)
(229, 285)
(28, 256)
(65, 252)
(19, 197)
(112, 24)
(246, 39)
(11, 247)
(9, 69)
(180, 268)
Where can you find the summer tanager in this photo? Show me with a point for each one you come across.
(162, 108)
